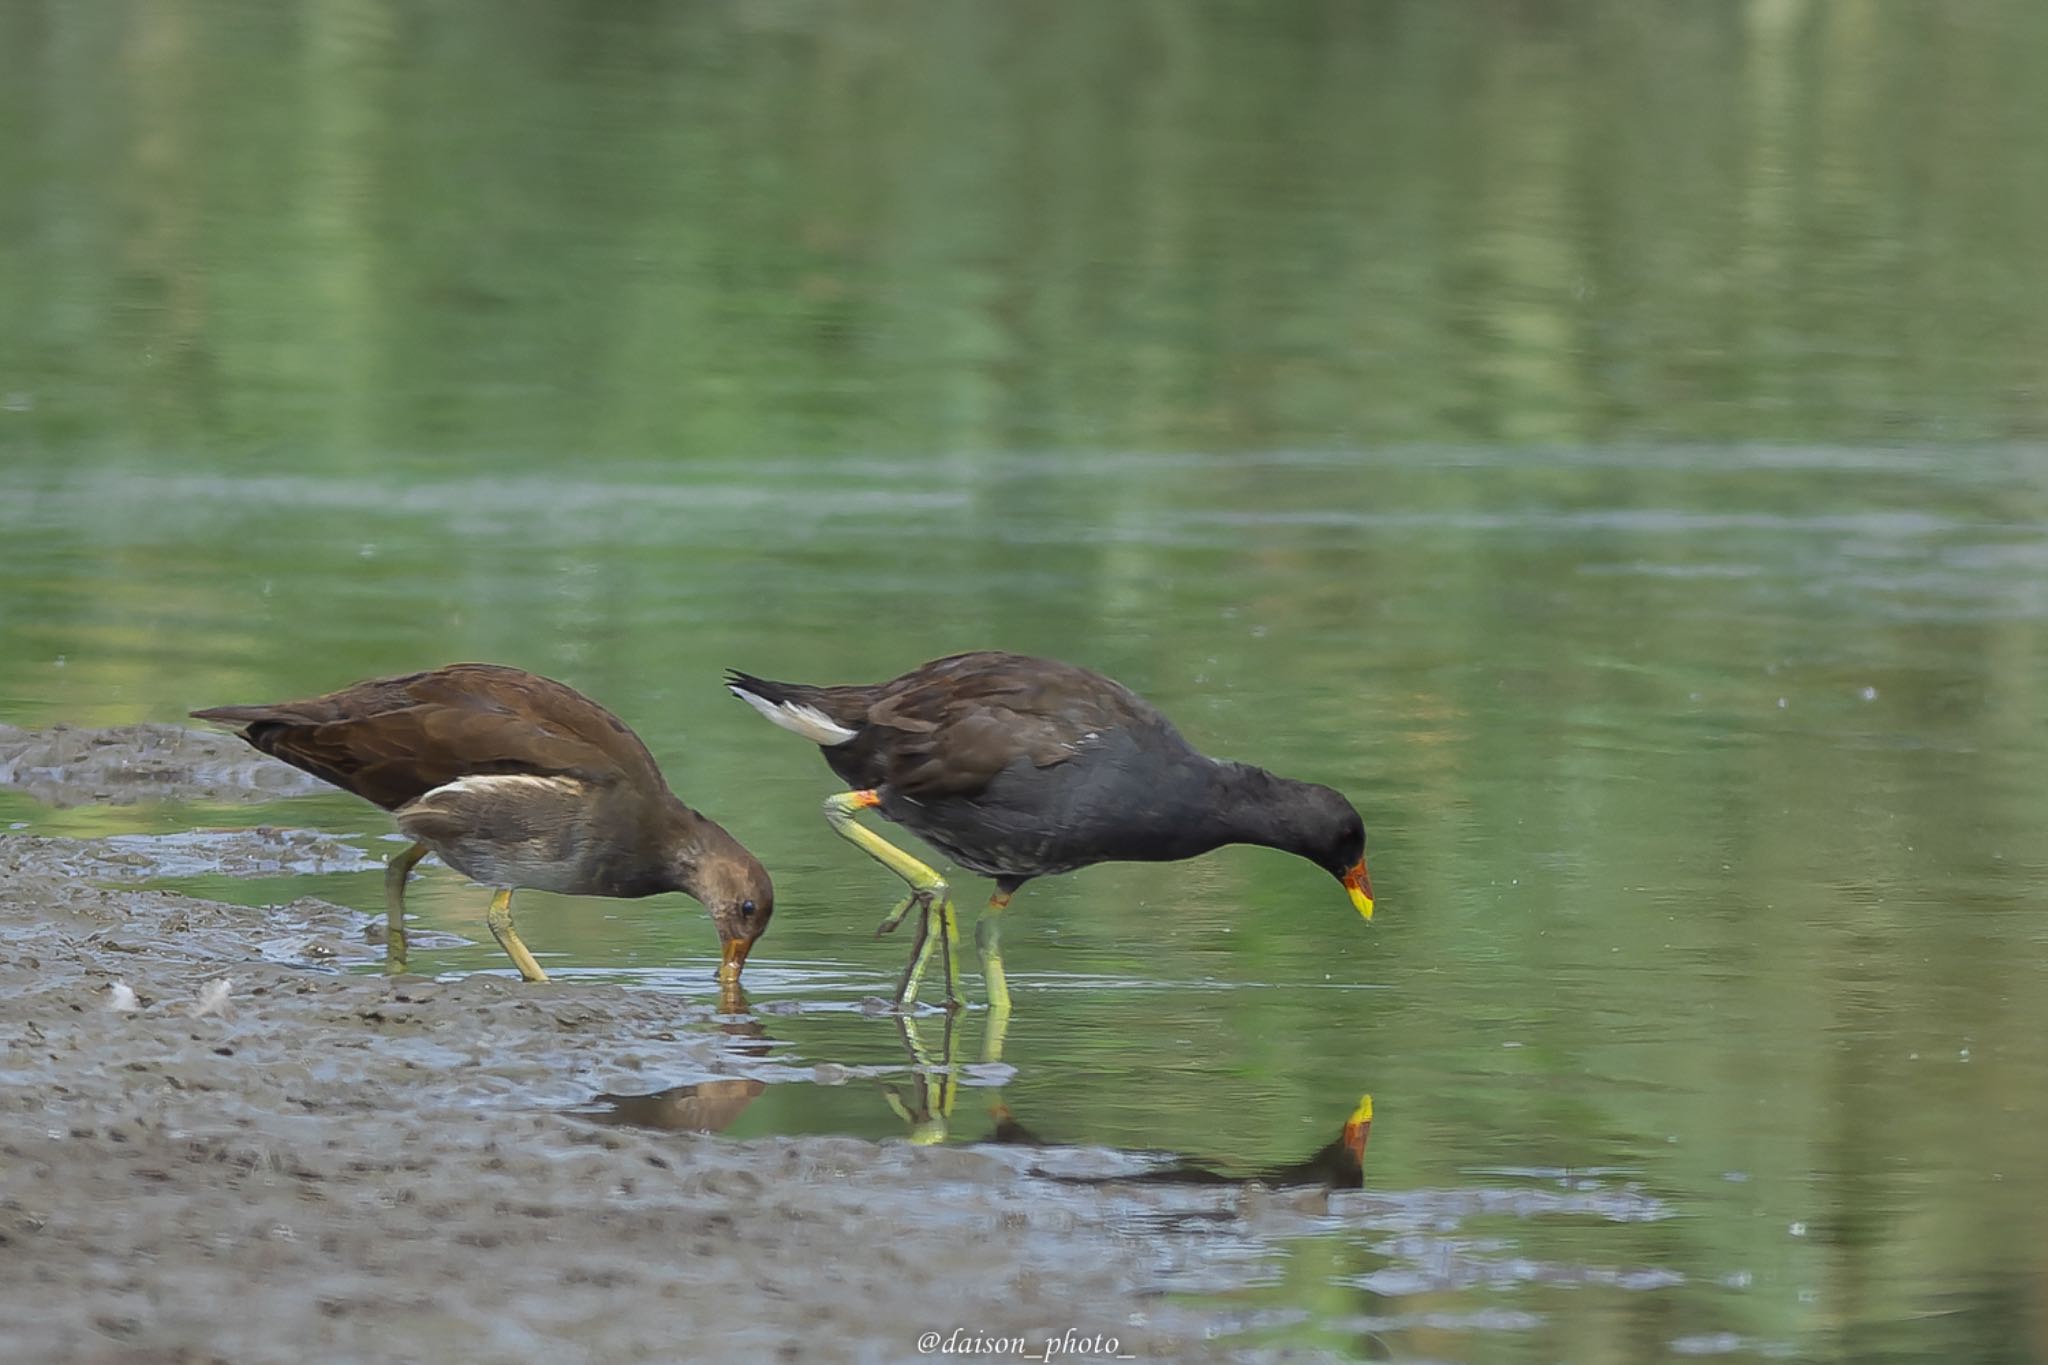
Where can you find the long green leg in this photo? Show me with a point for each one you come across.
(839, 812)
(920, 951)
(500, 920)
(990, 944)
(946, 939)
(395, 872)
(988, 941)
(927, 889)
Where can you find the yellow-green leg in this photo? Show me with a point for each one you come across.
(395, 872)
(500, 920)
(988, 941)
(942, 938)
(920, 949)
(946, 940)
(927, 890)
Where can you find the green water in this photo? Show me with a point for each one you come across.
(1606, 441)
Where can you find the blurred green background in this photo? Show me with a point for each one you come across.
(1605, 439)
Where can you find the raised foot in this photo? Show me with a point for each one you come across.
(921, 899)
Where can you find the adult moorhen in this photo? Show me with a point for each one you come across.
(516, 781)
(1018, 767)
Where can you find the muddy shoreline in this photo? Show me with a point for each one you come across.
(316, 1163)
(68, 766)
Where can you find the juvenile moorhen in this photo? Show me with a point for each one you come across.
(1018, 767)
(516, 781)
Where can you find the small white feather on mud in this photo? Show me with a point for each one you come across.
(213, 998)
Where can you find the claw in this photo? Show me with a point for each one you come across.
(916, 900)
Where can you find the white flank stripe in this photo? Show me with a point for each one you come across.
(483, 784)
(808, 721)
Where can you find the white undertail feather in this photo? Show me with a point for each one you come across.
(808, 721)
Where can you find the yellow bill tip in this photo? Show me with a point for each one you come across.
(735, 959)
(1357, 1128)
(1360, 886)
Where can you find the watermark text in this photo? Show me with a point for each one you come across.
(1072, 1344)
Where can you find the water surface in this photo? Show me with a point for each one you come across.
(1608, 444)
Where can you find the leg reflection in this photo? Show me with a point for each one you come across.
(925, 1104)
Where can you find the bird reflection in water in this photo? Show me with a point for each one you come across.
(926, 1099)
(1337, 1165)
(703, 1107)
(926, 1104)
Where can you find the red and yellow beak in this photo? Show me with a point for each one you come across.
(736, 950)
(1360, 887)
(1358, 1127)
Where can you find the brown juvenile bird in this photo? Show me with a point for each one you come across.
(516, 781)
(1017, 767)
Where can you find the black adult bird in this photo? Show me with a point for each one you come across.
(517, 781)
(1018, 767)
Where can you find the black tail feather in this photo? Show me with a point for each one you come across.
(762, 687)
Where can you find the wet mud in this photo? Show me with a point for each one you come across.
(219, 1142)
(67, 766)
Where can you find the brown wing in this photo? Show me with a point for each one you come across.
(390, 740)
(949, 727)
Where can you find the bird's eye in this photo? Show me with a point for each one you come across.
(747, 908)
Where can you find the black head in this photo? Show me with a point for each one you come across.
(1325, 828)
